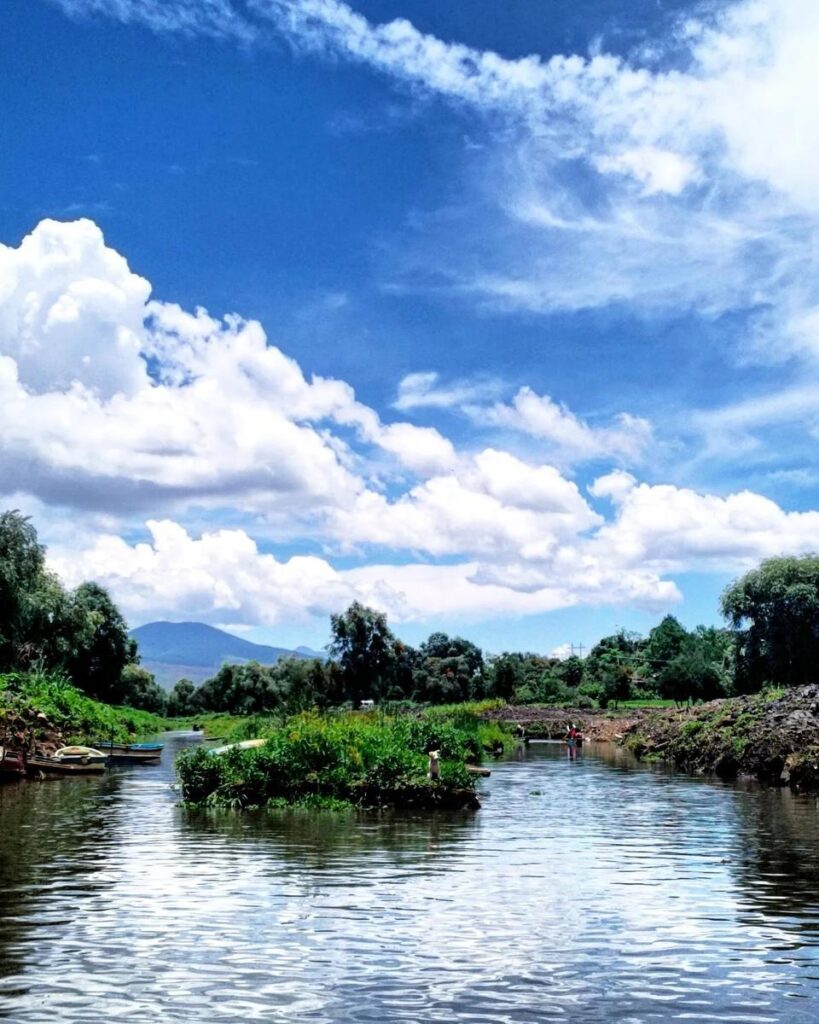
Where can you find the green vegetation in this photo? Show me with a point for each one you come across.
(774, 610)
(363, 760)
(79, 634)
(78, 717)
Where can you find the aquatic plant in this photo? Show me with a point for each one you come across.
(367, 760)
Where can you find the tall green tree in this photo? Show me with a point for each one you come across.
(774, 611)
(365, 648)
(182, 699)
(22, 576)
(101, 646)
(665, 642)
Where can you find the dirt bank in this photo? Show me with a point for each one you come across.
(774, 739)
(29, 730)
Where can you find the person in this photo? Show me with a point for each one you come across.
(571, 740)
(434, 767)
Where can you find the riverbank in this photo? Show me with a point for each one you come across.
(551, 723)
(42, 713)
(352, 759)
(772, 737)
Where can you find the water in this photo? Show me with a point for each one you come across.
(595, 891)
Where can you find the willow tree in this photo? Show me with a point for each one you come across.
(774, 610)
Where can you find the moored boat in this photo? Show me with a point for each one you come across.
(12, 764)
(80, 755)
(242, 745)
(39, 764)
(132, 753)
(131, 748)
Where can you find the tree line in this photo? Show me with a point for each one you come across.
(772, 637)
(79, 634)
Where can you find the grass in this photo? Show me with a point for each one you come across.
(362, 759)
(77, 716)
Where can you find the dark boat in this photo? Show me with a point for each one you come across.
(12, 765)
(38, 764)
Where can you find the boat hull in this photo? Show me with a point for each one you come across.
(60, 766)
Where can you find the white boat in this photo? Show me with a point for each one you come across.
(80, 755)
(243, 745)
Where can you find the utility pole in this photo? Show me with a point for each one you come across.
(578, 648)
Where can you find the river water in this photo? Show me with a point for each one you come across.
(596, 890)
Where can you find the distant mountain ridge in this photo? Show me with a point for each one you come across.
(196, 651)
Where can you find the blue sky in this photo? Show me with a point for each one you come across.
(552, 265)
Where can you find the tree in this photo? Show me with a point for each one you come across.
(506, 676)
(182, 699)
(690, 676)
(139, 689)
(22, 575)
(101, 646)
(366, 651)
(571, 670)
(774, 611)
(665, 641)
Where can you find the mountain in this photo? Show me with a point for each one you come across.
(195, 651)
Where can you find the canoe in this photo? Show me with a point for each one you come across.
(121, 757)
(130, 748)
(244, 745)
(132, 753)
(36, 765)
(12, 765)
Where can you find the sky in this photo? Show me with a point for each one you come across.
(500, 317)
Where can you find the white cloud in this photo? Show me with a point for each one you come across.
(425, 390)
(493, 504)
(221, 574)
(218, 18)
(540, 416)
(220, 415)
(669, 529)
(615, 485)
(71, 311)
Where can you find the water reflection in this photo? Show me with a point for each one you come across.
(594, 888)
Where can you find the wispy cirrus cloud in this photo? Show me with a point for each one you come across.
(678, 178)
(426, 390)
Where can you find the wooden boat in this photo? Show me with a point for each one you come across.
(132, 753)
(37, 764)
(12, 764)
(80, 755)
(130, 748)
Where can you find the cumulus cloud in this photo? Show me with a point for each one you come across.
(493, 504)
(521, 566)
(219, 576)
(669, 529)
(541, 417)
(112, 402)
(109, 399)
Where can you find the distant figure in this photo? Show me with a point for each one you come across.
(434, 768)
(572, 737)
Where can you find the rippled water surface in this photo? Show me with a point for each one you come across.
(593, 890)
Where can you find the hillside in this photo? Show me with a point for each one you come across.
(196, 651)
